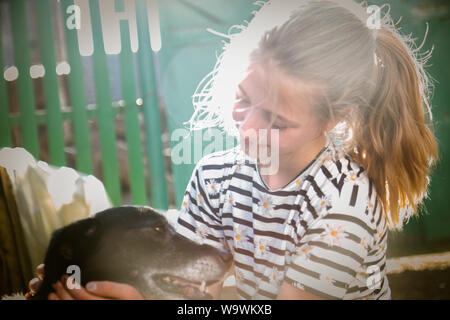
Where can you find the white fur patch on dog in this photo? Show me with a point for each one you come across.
(172, 216)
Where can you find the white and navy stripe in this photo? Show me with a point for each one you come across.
(324, 232)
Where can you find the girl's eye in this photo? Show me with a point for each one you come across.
(268, 117)
(278, 127)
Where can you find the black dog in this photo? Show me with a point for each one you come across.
(134, 245)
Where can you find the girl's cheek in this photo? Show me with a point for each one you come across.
(275, 136)
(288, 140)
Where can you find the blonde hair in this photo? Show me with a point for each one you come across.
(372, 80)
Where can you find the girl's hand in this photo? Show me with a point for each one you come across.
(96, 290)
(35, 283)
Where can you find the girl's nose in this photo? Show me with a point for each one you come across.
(240, 113)
(252, 124)
(248, 119)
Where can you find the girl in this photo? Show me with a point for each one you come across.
(353, 153)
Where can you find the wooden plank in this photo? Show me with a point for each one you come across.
(132, 129)
(158, 184)
(24, 82)
(105, 116)
(51, 87)
(77, 98)
(5, 133)
(67, 114)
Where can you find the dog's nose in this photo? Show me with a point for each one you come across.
(225, 257)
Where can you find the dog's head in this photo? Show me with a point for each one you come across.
(134, 245)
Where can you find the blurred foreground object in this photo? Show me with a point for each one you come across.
(49, 197)
(15, 264)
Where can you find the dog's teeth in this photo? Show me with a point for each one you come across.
(166, 279)
(203, 286)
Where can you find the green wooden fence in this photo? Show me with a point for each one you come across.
(104, 110)
(188, 53)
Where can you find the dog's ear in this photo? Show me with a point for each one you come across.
(76, 237)
(69, 245)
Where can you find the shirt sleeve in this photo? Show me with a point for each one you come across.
(199, 214)
(329, 256)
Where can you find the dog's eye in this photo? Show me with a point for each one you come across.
(159, 229)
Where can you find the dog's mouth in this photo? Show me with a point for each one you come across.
(185, 288)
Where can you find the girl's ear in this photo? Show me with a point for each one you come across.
(333, 123)
(330, 125)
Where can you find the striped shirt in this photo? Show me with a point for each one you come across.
(324, 232)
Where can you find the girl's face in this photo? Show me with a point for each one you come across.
(289, 111)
